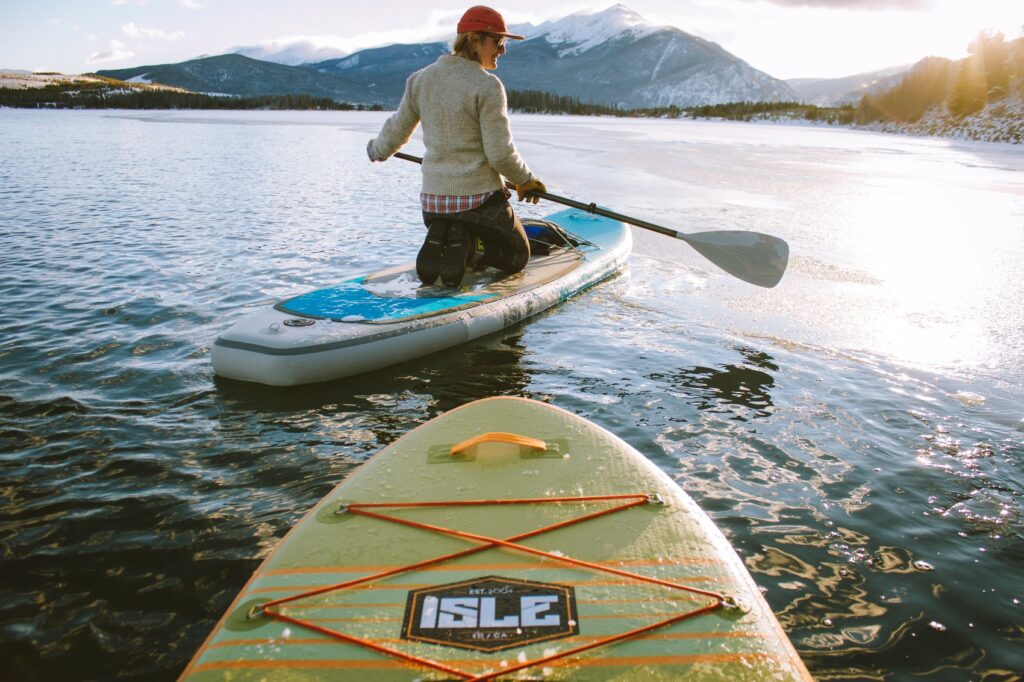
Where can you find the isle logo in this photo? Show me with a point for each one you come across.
(490, 614)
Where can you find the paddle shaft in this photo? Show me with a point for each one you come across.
(753, 257)
(572, 203)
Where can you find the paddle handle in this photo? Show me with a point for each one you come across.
(572, 203)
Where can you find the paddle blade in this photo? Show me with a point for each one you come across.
(756, 258)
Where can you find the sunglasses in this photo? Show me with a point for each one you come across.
(498, 40)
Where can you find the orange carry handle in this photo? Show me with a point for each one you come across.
(499, 437)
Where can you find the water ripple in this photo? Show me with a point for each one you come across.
(878, 505)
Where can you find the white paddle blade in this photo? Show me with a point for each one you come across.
(759, 259)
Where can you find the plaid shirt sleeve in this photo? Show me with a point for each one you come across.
(440, 203)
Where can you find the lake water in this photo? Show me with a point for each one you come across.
(857, 432)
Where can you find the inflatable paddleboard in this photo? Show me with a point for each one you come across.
(506, 539)
(387, 317)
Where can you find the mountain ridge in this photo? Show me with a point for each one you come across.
(847, 89)
(613, 57)
(238, 75)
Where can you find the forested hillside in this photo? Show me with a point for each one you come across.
(981, 96)
(55, 91)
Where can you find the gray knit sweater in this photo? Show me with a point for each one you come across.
(465, 129)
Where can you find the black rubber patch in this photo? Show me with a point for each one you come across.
(490, 613)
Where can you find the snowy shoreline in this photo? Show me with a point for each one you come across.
(1000, 122)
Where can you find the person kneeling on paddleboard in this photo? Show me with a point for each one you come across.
(469, 148)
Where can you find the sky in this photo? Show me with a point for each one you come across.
(784, 38)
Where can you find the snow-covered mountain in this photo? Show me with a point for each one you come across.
(584, 30)
(618, 58)
(290, 52)
(612, 57)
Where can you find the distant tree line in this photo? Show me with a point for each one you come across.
(112, 94)
(535, 101)
(749, 111)
(993, 69)
(539, 102)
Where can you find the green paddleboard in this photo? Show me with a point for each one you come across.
(507, 539)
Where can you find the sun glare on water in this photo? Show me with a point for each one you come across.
(937, 256)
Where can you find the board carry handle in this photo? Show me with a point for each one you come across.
(499, 437)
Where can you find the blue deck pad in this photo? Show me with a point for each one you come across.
(354, 301)
(351, 302)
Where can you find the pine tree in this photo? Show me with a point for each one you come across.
(993, 57)
(1016, 61)
(968, 94)
(926, 86)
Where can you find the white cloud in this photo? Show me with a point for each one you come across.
(130, 2)
(440, 26)
(135, 31)
(114, 51)
(190, 4)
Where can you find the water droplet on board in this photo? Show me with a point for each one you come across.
(937, 626)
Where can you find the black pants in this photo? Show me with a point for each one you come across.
(496, 225)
